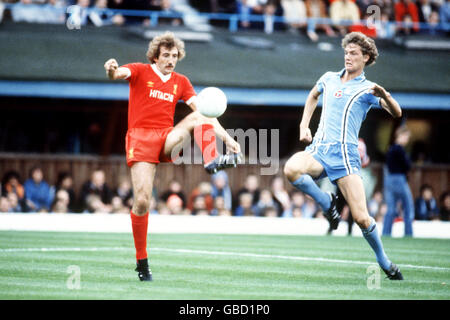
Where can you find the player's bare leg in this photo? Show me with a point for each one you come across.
(302, 163)
(142, 176)
(204, 137)
(300, 170)
(353, 190)
(182, 131)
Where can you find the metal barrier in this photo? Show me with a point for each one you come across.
(232, 18)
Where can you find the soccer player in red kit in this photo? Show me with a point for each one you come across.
(152, 137)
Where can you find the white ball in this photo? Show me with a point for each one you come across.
(211, 102)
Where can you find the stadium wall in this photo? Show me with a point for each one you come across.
(202, 224)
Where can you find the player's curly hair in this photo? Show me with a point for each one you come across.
(167, 40)
(366, 44)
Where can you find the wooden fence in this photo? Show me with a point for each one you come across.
(80, 167)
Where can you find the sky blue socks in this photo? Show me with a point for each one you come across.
(373, 238)
(307, 185)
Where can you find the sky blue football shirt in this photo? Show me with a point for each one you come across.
(344, 107)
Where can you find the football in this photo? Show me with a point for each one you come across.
(211, 102)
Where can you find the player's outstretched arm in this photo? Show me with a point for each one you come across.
(310, 106)
(387, 102)
(114, 72)
(231, 144)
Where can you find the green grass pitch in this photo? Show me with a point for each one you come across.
(40, 265)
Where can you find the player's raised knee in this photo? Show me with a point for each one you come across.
(291, 171)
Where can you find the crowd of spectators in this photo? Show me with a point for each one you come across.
(384, 18)
(213, 198)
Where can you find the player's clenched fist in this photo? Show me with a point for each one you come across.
(111, 65)
(305, 135)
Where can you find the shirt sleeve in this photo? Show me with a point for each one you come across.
(134, 70)
(188, 94)
(374, 101)
(320, 82)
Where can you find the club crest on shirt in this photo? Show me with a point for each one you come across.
(338, 94)
(150, 84)
(175, 86)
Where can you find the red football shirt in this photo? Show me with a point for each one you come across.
(153, 96)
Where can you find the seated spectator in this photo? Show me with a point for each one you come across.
(4, 205)
(406, 16)
(425, 10)
(82, 14)
(117, 205)
(94, 204)
(38, 194)
(434, 27)
(221, 188)
(11, 184)
(61, 202)
(344, 10)
(270, 11)
(267, 8)
(385, 29)
(251, 185)
(297, 203)
(174, 189)
(199, 206)
(294, 13)
(96, 185)
(204, 189)
(271, 212)
(444, 207)
(124, 191)
(245, 207)
(65, 182)
(265, 201)
(166, 7)
(317, 9)
(280, 195)
(14, 203)
(175, 205)
(104, 17)
(426, 206)
(219, 207)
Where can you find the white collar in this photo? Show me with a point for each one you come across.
(164, 78)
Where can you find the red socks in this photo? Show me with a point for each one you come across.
(205, 138)
(139, 225)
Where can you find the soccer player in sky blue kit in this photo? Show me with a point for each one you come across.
(347, 97)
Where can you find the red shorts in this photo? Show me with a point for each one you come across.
(146, 145)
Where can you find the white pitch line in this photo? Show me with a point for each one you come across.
(220, 253)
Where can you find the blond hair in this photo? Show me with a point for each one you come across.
(366, 44)
(167, 40)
